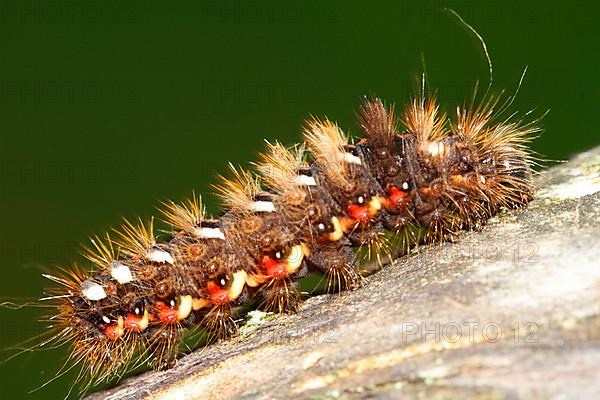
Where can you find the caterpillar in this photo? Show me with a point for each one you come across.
(323, 206)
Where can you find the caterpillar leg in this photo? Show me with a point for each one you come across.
(279, 296)
(217, 310)
(339, 265)
(162, 345)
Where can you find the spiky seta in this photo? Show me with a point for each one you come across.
(307, 209)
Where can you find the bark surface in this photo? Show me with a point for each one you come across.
(509, 312)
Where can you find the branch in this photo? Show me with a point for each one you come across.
(512, 311)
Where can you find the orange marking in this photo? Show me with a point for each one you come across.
(112, 332)
(133, 323)
(273, 268)
(218, 295)
(397, 198)
(359, 213)
(426, 191)
(166, 314)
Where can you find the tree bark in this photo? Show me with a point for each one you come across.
(509, 312)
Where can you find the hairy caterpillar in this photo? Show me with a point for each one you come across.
(306, 208)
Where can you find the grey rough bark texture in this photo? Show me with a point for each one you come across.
(509, 312)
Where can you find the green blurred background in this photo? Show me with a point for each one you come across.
(108, 107)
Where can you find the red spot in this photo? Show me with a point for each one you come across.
(112, 331)
(323, 238)
(132, 323)
(218, 295)
(397, 198)
(274, 268)
(362, 141)
(166, 314)
(359, 213)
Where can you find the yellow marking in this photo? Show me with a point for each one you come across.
(305, 249)
(338, 232)
(374, 206)
(120, 326)
(254, 280)
(239, 280)
(197, 304)
(457, 179)
(143, 324)
(348, 224)
(185, 307)
(294, 260)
